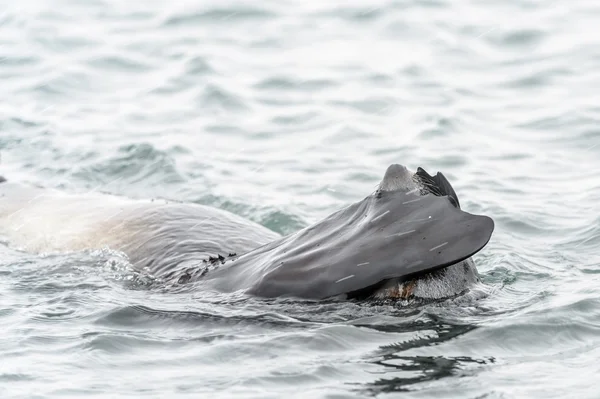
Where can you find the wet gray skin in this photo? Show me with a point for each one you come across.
(408, 238)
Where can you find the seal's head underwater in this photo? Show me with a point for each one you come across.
(408, 238)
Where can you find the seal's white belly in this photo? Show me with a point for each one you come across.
(39, 220)
(153, 233)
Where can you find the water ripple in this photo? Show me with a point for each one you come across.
(284, 113)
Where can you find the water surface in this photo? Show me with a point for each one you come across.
(284, 112)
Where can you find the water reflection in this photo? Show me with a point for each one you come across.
(403, 371)
(409, 370)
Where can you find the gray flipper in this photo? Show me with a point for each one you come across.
(391, 234)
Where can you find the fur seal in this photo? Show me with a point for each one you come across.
(408, 238)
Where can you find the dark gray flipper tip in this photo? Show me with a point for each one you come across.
(3, 179)
(438, 185)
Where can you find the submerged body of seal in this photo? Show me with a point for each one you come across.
(408, 238)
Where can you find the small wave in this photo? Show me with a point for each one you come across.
(218, 16)
(133, 163)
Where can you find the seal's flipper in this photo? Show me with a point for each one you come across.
(393, 234)
(437, 185)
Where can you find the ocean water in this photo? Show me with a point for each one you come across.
(284, 112)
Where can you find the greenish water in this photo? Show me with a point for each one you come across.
(283, 112)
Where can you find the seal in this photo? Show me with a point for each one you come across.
(409, 238)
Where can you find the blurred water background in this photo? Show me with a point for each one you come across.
(284, 111)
